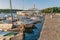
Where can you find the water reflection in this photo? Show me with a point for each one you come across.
(36, 32)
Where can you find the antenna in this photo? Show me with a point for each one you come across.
(11, 10)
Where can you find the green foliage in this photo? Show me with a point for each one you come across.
(51, 10)
(8, 10)
(47, 10)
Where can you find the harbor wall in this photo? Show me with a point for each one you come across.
(51, 28)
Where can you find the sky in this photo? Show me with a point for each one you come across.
(27, 4)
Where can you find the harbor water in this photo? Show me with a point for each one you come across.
(36, 32)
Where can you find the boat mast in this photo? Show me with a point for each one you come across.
(11, 10)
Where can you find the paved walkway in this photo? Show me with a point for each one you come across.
(51, 29)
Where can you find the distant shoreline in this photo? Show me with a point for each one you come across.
(8, 10)
(47, 10)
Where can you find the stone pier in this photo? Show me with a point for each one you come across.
(51, 28)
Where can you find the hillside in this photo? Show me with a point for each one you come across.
(8, 10)
(51, 10)
(46, 10)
